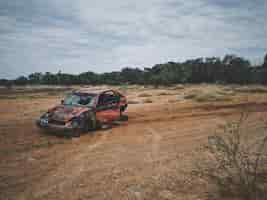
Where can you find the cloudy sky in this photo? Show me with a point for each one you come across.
(100, 35)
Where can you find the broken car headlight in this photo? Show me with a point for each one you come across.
(44, 119)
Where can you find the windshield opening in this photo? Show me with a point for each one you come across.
(79, 99)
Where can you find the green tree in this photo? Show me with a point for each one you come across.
(265, 61)
(35, 78)
(237, 69)
(21, 80)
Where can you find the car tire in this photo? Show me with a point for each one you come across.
(76, 132)
(80, 128)
(91, 122)
(122, 116)
(123, 108)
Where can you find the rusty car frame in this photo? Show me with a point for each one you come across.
(84, 110)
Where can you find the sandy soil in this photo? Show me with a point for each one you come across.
(149, 157)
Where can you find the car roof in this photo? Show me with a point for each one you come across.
(92, 90)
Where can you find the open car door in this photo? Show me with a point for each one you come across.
(107, 108)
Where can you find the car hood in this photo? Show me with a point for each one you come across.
(66, 113)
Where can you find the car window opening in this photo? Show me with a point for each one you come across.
(79, 100)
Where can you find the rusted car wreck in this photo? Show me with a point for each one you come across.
(84, 110)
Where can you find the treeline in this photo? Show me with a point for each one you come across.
(230, 69)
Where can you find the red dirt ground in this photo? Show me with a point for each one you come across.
(148, 157)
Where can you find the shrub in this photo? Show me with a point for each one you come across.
(147, 101)
(133, 102)
(123, 89)
(164, 94)
(179, 87)
(172, 100)
(203, 96)
(211, 97)
(144, 95)
(251, 89)
(190, 96)
(236, 162)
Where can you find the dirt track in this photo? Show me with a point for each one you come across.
(148, 157)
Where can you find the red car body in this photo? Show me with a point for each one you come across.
(84, 110)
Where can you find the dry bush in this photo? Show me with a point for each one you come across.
(123, 89)
(147, 101)
(212, 97)
(177, 87)
(236, 161)
(190, 96)
(172, 100)
(251, 89)
(133, 102)
(226, 92)
(203, 96)
(144, 95)
(164, 94)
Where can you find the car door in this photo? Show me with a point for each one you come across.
(107, 108)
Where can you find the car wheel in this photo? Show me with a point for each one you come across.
(76, 133)
(91, 122)
(121, 111)
(85, 126)
(98, 125)
(123, 108)
(78, 128)
(122, 116)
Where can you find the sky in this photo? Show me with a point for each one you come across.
(76, 36)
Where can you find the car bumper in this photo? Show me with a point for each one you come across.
(59, 129)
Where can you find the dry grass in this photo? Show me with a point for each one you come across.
(209, 95)
(165, 94)
(235, 161)
(147, 101)
(172, 100)
(178, 87)
(133, 102)
(250, 89)
(145, 95)
(33, 92)
(212, 97)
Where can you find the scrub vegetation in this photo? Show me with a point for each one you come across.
(230, 69)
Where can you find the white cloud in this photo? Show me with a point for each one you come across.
(81, 35)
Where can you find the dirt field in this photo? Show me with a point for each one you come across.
(149, 157)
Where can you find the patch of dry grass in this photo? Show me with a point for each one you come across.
(164, 94)
(178, 87)
(190, 96)
(133, 102)
(144, 95)
(209, 95)
(250, 89)
(147, 101)
(212, 97)
(172, 100)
